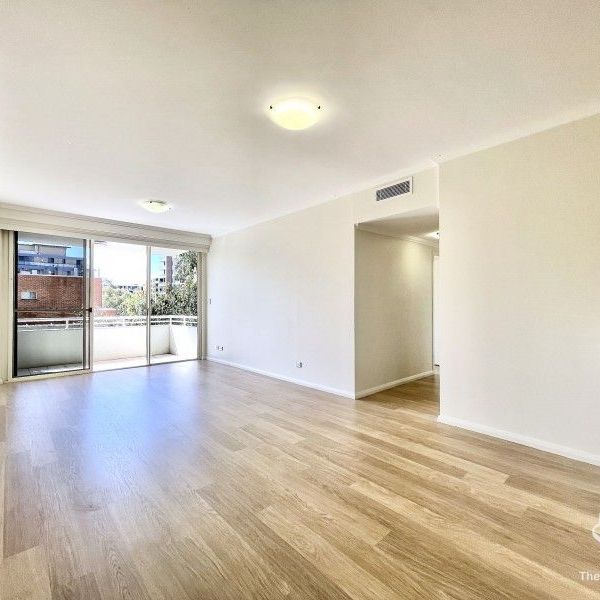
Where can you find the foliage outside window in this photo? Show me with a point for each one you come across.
(178, 298)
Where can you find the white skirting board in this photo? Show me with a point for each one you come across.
(391, 384)
(314, 386)
(517, 438)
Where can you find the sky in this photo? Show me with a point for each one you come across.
(126, 263)
(121, 263)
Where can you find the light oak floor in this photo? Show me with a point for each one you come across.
(200, 481)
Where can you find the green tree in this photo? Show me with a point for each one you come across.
(178, 298)
(181, 297)
(128, 304)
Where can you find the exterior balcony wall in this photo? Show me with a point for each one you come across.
(46, 347)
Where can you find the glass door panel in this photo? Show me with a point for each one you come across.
(173, 305)
(50, 301)
(120, 305)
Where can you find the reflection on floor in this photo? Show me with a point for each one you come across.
(135, 361)
(197, 480)
(101, 365)
(48, 370)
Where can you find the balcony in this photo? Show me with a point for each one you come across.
(49, 345)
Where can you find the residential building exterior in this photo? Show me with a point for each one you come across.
(50, 280)
(165, 276)
(42, 259)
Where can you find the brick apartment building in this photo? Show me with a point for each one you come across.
(61, 293)
(50, 279)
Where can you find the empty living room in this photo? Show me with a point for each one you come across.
(299, 300)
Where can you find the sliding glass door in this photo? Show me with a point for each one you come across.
(120, 332)
(50, 326)
(143, 303)
(173, 305)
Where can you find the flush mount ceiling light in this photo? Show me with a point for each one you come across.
(155, 206)
(295, 113)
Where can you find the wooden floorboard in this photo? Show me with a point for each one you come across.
(201, 481)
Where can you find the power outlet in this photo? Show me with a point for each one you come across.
(219, 348)
(299, 364)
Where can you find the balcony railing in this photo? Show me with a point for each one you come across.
(45, 342)
(116, 321)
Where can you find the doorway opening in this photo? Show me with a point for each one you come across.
(397, 303)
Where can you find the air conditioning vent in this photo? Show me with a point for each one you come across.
(398, 189)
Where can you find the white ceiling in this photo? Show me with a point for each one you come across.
(105, 103)
(417, 223)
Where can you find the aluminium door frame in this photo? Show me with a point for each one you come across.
(148, 306)
(201, 312)
(89, 302)
(90, 306)
(12, 331)
(202, 302)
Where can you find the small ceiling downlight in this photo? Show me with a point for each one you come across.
(155, 206)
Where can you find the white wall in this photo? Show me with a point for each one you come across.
(520, 281)
(437, 302)
(49, 347)
(425, 194)
(283, 291)
(112, 343)
(183, 341)
(393, 310)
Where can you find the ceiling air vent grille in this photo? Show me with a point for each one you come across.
(398, 189)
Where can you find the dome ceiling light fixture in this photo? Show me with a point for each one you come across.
(295, 113)
(155, 206)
